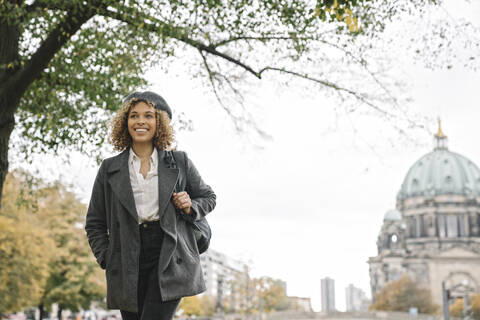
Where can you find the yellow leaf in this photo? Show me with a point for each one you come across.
(348, 21)
(353, 25)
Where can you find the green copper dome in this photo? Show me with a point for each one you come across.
(441, 172)
(392, 215)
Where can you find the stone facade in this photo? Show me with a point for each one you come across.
(434, 233)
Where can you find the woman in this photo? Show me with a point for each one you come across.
(139, 229)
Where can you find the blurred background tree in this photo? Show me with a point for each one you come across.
(208, 305)
(191, 306)
(403, 294)
(24, 257)
(249, 295)
(273, 294)
(198, 306)
(75, 279)
(456, 309)
(44, 255)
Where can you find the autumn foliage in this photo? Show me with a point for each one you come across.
(456, 309)
(251, 295)
(203, 306)
(44, 255)
(403, 294)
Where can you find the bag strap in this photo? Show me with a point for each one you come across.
(171, 163)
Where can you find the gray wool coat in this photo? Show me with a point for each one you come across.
(113, 230)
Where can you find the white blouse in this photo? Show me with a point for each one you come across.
(145, 190)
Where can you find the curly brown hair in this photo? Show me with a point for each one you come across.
(120, 137)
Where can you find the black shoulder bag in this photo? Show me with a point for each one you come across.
(201, 228)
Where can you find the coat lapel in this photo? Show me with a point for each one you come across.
(167, 178)
(119, 179)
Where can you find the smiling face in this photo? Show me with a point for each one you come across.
(142, 123)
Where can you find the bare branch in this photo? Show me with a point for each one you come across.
(363, 64)
(217, 96)
(155, 25)
(332, 85)
(236, 120)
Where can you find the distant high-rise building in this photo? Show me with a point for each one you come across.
(356, 299)
(328, 294)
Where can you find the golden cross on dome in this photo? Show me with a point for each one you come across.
(440, 133)
(440, 138)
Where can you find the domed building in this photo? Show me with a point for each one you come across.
(433, 235)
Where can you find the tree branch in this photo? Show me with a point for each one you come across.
(154, 25)
(332, 85)
(214, 89)
(33, 68)
(236, 120)
(363, 64)
(267, 38)
(180, 34)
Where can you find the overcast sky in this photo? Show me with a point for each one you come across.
(310, 202)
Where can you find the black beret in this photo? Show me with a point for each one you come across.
(155, 99)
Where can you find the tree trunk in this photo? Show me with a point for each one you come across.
(15, 79)
(9, 40)
(40, 308)
(59, 312)
(7, 123)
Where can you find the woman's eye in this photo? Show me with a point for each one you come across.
(133, 116)
(149, 116)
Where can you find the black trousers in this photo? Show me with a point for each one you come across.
(150, 305)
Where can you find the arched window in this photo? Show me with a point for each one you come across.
(411, 223)
(451, 226)
(441, 225)
(419, 226)
(393, 241)
(462, 225)
(416, 226)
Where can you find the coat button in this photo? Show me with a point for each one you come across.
(179, 260)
